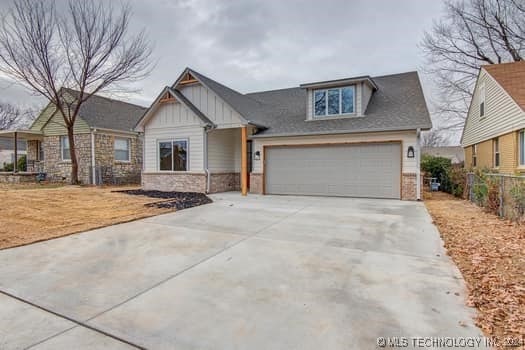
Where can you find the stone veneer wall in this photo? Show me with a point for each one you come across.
(223, 182)
(256, 185)
(169, 181)
(409, 186)
(118, 171)
(60, 170)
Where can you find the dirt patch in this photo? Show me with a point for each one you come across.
(177, 200)
(490, 253)
(35, 212)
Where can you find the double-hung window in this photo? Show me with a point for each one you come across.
(122, 149)
(333, 102)
(495, 145)
(482, 101)
(521, 146)
(64, 148)
(173, 155)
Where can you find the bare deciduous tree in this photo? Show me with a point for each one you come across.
(433, 138)
(9, 115)
(86, 47)
(472, 33)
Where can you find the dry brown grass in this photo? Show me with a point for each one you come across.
(490, 253)
(32, 213)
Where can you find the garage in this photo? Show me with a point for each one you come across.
(349, 170)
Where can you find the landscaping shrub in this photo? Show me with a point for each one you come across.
(22, 164)
(517, 193)
(451, 178)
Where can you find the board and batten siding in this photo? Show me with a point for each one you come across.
(174, 121)
(502, 114)
(212, 106)
(224, 150)
(408, 138)
(358, 102)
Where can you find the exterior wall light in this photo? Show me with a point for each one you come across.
(257, 155)
(410, 152)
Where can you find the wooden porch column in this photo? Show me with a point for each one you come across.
(244, 160)
(15, 163)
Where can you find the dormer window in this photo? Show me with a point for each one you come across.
(334, 101)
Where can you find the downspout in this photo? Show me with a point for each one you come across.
(418, 164)
(207, 129)
(93, 165)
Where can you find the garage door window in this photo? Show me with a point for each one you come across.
(333, 102)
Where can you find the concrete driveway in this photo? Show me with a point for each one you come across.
(261, 272)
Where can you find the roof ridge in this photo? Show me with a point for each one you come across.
(273, 90)
(106, 98)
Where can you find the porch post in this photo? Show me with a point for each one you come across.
(244, 160)
(15, 163)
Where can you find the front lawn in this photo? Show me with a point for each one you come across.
(32, 213)
(490, 252)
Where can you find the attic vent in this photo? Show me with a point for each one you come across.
(167, 97)
(188, 79)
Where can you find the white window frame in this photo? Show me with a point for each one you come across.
(482, 101)
(172, 159)
(128, 141)
(495, 151)
(40, 156)
(340, 88)
(62, 149)
(521, 155)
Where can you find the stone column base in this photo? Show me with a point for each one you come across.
(256, 183)
(224, 182)
(409, 186)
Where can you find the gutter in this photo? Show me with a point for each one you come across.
(93, 165)
(418, 164)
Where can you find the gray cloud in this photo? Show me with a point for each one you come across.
(254, 45)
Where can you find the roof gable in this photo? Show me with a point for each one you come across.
(511, 77)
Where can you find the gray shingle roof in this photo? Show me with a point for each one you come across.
(106, 113)
(398, 104)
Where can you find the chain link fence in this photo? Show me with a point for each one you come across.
(501, 194)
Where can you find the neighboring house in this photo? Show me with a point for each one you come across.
(456, 154)
(108, 149)
(7, 150)
(350, 137)
(494, 132)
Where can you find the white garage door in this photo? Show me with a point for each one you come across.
(361, 170)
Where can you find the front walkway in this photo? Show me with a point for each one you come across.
(242, 273)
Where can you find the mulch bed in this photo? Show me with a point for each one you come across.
(177, 200)
(490, 252)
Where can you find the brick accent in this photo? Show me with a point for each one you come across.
(256, 185)
(223, 182)
(183, 182)
(409, 186)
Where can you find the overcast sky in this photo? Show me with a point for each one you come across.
(253, 45)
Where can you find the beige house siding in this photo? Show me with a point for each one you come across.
(408, 138)
(508, 149)
(212, 106)
(56, 126)
(224, 150)
(42, 119)
(502, 114)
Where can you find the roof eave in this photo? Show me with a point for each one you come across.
(340, 82)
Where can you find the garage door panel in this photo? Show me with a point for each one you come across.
(367, 170)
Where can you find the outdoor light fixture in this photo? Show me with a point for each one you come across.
(257, 155)
(410, 152)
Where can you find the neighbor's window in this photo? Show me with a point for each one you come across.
(122, 149)
(522, 147)
(334, 101)
(173, 155)
(482, 100)
(495, 144)
(64, 148)
(474, 155)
